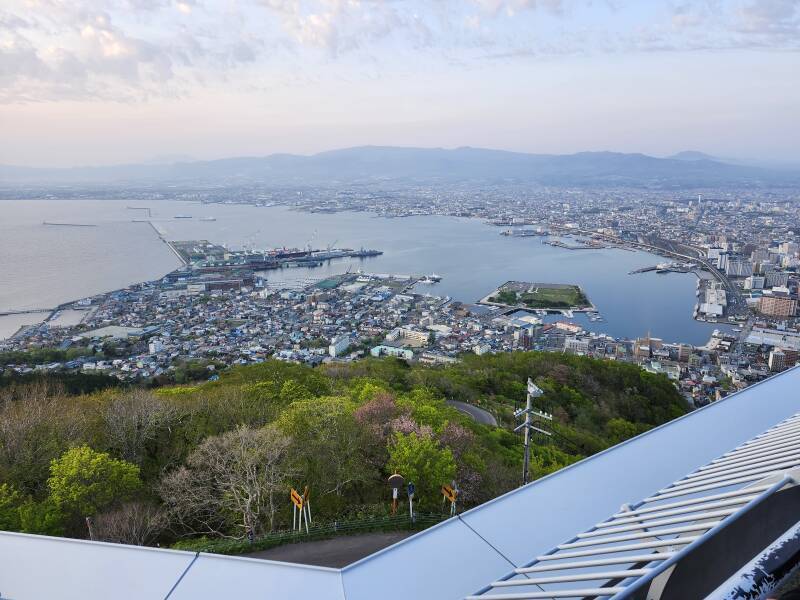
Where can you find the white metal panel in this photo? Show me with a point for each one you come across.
(36, 567)
(574, 499)
(214, 577)
(444, 562)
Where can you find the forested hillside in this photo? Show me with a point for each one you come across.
(217, 459)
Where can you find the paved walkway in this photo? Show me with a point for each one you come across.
(336, 552)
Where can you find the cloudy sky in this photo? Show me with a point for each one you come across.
(110, 81)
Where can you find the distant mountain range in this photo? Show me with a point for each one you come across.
(381, 164)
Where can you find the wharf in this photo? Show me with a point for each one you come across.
(28, 311)
(585, 246)
(169, 244)
(663, 269)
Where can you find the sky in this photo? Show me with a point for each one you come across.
(96, 82)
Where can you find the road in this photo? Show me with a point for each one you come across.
(481, 416)
(336, 552)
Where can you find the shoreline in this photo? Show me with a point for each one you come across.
(694, 334)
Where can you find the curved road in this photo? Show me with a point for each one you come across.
(483, 417)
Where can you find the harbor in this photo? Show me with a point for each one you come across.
(205, 256)
(469, 255)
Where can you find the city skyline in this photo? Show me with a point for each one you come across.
(88, 83)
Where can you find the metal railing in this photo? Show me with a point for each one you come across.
(642, 541)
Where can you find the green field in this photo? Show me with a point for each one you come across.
(543, 297)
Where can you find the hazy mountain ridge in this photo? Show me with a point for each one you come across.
(423, 165)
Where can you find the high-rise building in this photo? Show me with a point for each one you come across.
(777, 360)
(525, 337)
(713, 254)
(755, 282)
(777, 305)
(774, 278)
(738, 267)
(576, 345)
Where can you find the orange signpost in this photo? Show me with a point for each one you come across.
(297, 499)
(450, 493)
(298, 512)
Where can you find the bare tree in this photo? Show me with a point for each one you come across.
(134, 419)
(238, 472)
(37, 423)
(137, 523)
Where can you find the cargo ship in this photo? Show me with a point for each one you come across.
(287, 253)
(362, 253)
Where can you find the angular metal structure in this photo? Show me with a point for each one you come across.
(495, 542)
(686, 540)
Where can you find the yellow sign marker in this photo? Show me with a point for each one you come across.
(449, 493)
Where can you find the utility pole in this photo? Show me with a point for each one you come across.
(533, 392)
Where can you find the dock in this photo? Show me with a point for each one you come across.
(169, 244)
(591, 245)
(28, 311)
(671, 268)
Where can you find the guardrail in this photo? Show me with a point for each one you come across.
(316, 532)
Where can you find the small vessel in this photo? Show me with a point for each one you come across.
(182, 217)
(206, 218)
(432, 278)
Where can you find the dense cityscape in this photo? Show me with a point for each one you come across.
(399, 300)
(219, 309)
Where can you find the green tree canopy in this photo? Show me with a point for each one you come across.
(10, 502)
(325, 438)
(421, 460)
(83, 481)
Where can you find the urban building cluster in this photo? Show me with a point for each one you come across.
(744, 247)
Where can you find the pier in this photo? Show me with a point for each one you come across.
(28, 311)
(673, 268)
(147, 208)
(169, 244)
(591, 245)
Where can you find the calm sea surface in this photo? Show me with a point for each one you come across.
(42, 266)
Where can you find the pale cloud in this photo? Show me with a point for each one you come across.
(775, 17)
(134, 50)
(58, 49)
(513, 7)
